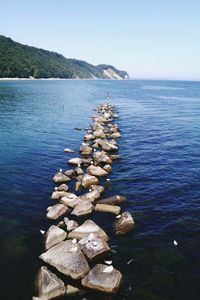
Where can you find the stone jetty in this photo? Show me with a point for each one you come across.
(75, 250)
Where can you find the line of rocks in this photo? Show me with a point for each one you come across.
(75, 250)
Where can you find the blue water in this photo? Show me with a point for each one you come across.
(159, 173)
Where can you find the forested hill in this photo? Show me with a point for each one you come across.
(17, 60)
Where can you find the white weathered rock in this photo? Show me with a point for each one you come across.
(68, 150)
(55, 211)
(54, 236)
(84, 207)
(70, 224)
(96, 171)
(86, 229)
(70, 200)
(91, 196)
(75, 161)
(88, 180)
(68, 259)
(49, 285)
(107, 282)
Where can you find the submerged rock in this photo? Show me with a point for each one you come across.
(85, 229)
(68, 259)
(49, 285)
(83, 208)
(88, 180)
(60, 177)
(96, 171)
(94, 247)
(124, 224)
(54, 236)
(55, 211)
(100, 278)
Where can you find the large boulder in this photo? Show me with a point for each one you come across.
(124, 224)
(88, 180)
(85, 229)
(60, 177)
(108, 208)
(102, 157)
(85, 150)
(94, 247)
(96, 171)
(49, 285)
(103, 278)
(56, 195)
(91, 196)
(55, 211)
(68, 259)
(84, 207)
(54, 236)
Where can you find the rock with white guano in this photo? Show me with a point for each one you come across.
(124, 224)
(49, 285)
(60, 177)
(94, 247)
(57, 210)
(88, 180)
(85, 229)
(103, 278)
(67, 258)
(53, 236)
(96, 171)
(84, 207)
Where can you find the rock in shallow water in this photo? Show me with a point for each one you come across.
(102, 280)
(124, 224)
(114, 200)
(54, 236)
(60, 177)
(96, 171)
(68, 259)
(88, 180)
(75, 161)
(49, 285)
(84, 207)
(55, 211)
(86, 228)
(108, 208)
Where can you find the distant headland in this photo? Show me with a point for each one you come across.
(19, 61)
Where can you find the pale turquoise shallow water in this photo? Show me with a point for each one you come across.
(159, 173)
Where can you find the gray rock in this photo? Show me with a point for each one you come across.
(56, 195)
(91, 196)
(86, 150)
(102, 157)
(54, 236)
(75, 161)
(89, 137)
(114, 200)
(96, 171)
(60, 177)
(88, 180)
(106, 146)
(49, 285)
(55, 211)
(70, 173)
(124, 224)
(68, 150)
(94, 247)
(102, 280)
(85, 229)
(62, 187)
(68, 259)
(70, 200)
(84, 207)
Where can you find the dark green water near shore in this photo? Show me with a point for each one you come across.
(159, 173)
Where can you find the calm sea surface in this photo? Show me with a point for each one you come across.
(159, 173)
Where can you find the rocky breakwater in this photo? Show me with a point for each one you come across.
(76, 249)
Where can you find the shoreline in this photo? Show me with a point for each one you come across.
(33, 79)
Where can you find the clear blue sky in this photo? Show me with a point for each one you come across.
(148, 38)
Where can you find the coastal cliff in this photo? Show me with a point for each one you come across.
(22, 61)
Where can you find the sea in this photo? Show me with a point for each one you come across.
(158, 173)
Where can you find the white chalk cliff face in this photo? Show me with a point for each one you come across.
(111, 74)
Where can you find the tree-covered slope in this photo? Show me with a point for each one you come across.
(17, 60)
